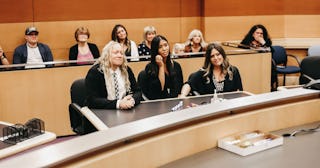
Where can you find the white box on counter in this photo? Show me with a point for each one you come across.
(250, 142)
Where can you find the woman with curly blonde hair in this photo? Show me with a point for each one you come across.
(110, 82)
(195, 43)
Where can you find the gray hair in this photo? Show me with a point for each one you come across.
(148, 29)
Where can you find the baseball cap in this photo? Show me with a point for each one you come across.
(30, 30)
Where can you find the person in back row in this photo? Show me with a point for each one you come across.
(83, 50)
(257, 37)
(217, 74)
(110, 82)
(120, 35)
(3, 58)
(178, 48)
(162, 76)
(32, 52)
(144, 48)
(195, 43)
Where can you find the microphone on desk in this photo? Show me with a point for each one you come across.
(179, 106)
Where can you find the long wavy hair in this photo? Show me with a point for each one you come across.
(249, 36)
(154, 69)
(208, 66)
(105, 65)
(114, 35)
(194, 33)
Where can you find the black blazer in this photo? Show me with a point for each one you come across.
(201, 85)
(151, 86)
(97, 92)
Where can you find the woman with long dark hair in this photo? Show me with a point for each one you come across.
(217, 74)
(120, 35)
(163, 76)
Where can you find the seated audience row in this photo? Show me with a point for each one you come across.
(111, 83)
(86, 51)
(36, 53)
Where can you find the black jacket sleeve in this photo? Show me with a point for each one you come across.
(135, 89)
(73, 52)
(94, 50)
(150, 84)
(97, 93)
(96, 90)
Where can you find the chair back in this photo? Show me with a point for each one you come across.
(79, 123)
(142, 77)
(310, 66)
(78, 92)
(314, 50)
(279, 55)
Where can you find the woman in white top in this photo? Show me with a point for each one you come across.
(130, 49)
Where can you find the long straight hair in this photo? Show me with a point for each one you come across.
(114, 35)
(154, 69)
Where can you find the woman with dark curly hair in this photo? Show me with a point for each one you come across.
(257, 37)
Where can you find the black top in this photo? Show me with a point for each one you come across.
(188, 49)
(151, 85)
(143, 49)
(73, 51)
(201, 84)
(97, 92)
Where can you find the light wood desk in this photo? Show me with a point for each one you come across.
(45, 93)
(299, 151)
(112, 118)
(161, 139)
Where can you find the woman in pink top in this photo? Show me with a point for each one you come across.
(83, 51)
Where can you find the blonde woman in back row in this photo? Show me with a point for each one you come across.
(149, 32)
(195, 43)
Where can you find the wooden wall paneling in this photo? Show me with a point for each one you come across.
(302, 26)
(41, 93)
(242, 8)
(99, 9)
(15, 11)
(301, 7)
(236, 27)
